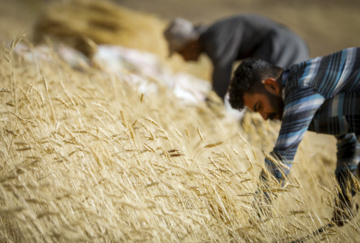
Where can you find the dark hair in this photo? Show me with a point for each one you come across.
(248, 78)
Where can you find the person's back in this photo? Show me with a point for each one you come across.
(247, 35)
(233, 39)
(242, 33)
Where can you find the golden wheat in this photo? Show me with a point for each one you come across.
(86, 156)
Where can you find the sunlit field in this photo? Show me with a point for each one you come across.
(88, 155)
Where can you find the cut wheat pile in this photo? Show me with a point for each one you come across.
(87, 157)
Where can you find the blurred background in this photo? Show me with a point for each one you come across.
(327, 25)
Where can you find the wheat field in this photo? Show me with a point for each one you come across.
(86, 157)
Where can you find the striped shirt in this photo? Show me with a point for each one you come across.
(321, 95)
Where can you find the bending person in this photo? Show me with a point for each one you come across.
(233, 39)
(321, 95)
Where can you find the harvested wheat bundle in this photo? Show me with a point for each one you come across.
(103, 22)
(85, 23)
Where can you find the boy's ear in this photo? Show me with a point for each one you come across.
(272, 86)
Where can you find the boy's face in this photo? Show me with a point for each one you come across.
(270, 106)
(190, 52)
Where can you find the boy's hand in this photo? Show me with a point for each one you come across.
(263, 199)
(345, 209)
(262, 204)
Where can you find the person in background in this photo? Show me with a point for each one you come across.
(233, 39)
(321, 95)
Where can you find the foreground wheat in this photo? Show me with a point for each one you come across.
(86, 157)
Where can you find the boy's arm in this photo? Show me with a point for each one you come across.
(300, 108)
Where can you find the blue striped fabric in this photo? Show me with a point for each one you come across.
(321, 95)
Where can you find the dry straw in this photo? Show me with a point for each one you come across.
(86, 157)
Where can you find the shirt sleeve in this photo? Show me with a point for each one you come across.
(348, 153)
(221, 78)
(222, 47)
(300, 108)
